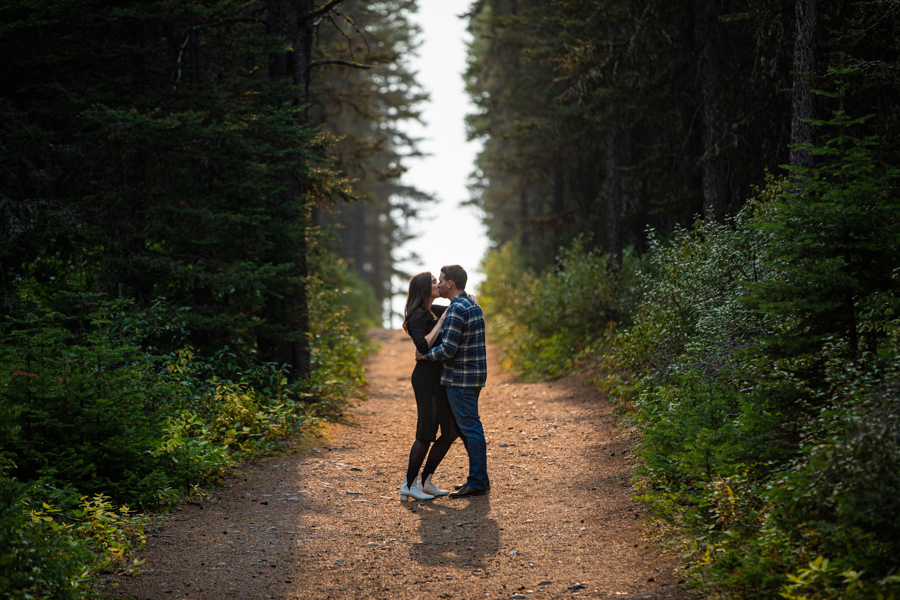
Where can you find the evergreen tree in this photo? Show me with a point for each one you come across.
(628, 114)
(161, 170)
(835, 238)
(364, 110)
(525, 172)
(163, 150)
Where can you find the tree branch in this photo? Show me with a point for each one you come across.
(191, 31)
(356, 27)
(325, 9)
(335, 61)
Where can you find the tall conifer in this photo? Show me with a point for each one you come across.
(835, 237)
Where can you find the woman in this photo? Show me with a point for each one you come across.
(424, 328)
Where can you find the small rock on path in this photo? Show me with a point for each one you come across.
(326, 522)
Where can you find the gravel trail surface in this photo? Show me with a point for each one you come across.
(326, 522)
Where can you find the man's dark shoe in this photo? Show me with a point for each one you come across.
(462, 485)
(465, 491)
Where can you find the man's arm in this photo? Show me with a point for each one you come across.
(452, 330)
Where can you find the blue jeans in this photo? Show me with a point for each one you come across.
(464, 404)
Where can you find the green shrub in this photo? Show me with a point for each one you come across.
(564, 312)
(36, 559)
(691, 316)
(87, 407)
(778, 466)
(85, 403)
(760, 361)
(336, 349)
(99, 411)
(838, 504)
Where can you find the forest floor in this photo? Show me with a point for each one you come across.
(325, 520)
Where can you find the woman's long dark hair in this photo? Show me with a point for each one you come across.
(418, 296)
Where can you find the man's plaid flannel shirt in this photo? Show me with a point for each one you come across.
(462, 348)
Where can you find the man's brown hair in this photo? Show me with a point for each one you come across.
(456, 274)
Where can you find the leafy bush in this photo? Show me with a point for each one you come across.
(682, 366)
(563, 313)
(107, 532)
(768, 437)
(35, 560)
(94, 415)
(838, 504)
(93, 408)
(336, 349)
(100, 411)
(85, 403)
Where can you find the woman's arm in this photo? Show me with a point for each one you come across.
(417, 326)
(450, 343)
(435, 332)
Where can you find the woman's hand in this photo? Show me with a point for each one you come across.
(435, 332)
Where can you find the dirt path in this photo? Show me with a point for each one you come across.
(326, 522)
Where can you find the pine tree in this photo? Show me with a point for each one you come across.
(147, 157)
(835, 238)
(364, 110)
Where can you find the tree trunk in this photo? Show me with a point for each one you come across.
(285, 20)
(523, 214)
(355, 235)
(612, 187)
(559, 202)
(537, 200)
(559, 190)
(802, 98)
(715, 168)
(691, 149)
(537, 210)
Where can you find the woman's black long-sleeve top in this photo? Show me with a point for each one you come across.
(420, 324)
(431, 398)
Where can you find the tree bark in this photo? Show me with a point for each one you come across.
(802, 98)
(537, 199)
(559, 202)
(691, 148)
(715, 168)
(559, 190)
(286, 21)
(523, 215)
(612, 187)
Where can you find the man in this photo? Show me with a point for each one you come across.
(464, 372)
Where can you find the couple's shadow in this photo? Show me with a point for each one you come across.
(455, 532)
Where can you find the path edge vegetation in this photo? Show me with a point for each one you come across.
(180, 184)
(758, 360)
(753, 347)
(147, 431)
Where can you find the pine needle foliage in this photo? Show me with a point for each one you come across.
(835, 236)
(147, 152)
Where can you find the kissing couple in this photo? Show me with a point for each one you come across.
(451, 369)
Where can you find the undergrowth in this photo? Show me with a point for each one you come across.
(98, 428)
(759, 360)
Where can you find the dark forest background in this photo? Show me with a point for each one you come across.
(694, 204)
(200, 210)
(603, 119)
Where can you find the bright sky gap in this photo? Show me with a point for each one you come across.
(447, 232)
